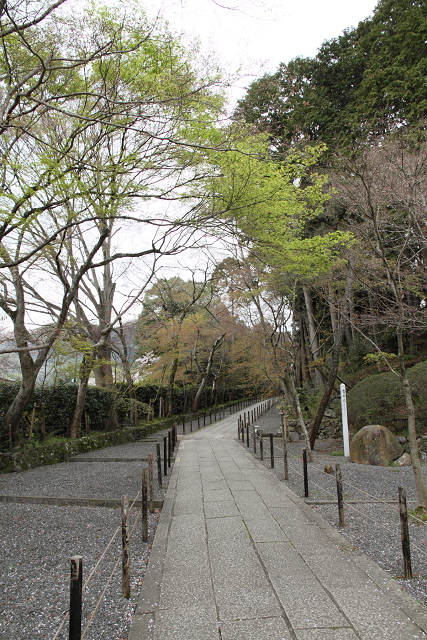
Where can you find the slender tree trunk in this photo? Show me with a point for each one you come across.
(314, 340)
(303, 353)
(287, 392)
(339, 337)
(333, 312)
(299, 412)
(171, 382)
(84, 374)
(415, 456)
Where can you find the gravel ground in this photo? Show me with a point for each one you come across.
(37, 541)
(374, 529)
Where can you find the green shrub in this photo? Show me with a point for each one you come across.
(380, 397)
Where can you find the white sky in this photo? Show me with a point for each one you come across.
(256, 36)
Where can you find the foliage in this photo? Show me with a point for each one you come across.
(366, 80)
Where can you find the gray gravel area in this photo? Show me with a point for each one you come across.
(374, 529)
(37, 541)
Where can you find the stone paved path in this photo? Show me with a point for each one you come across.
(238, 556)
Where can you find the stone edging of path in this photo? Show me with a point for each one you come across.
(77, 502)
(145, 613)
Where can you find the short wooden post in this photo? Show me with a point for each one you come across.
(76, 582)
(261, 446)
(254, 437)
(339, 495)
(183, 424)
(144, 506)
(191, 422)
(169, 448)
(406, 549)
(247, 434)
(304, 464)
(159, 465)
(198, 421)
(271, 452)
(165, 457)
(125, 548)
(150, 481)
(204, 417)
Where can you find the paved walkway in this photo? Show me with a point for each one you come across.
(238, 556)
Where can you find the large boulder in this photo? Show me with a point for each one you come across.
(376, 445)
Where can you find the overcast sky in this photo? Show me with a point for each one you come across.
(256, 36)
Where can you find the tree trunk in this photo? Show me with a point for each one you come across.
(299, 412)
(415, 456)
(287, 392)
(104, 370)
(171, 382)
(84, 374)
(13, 415)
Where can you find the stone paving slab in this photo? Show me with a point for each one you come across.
(238, 556)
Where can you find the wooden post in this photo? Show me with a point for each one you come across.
(144, 506)
(204, 417)
(169, 448)
(159, 465)
(198, 421)
(304, 464)
(261, 446)
(150, 481)
(406, 549)
(285, 449)
(76, 581)
(165, 457)
(125, 548)
(183, 424)
(271, 452)
(247, 435)
(339, 495)
(254, 437)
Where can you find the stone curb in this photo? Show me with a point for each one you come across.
(149, 596)
(80, 502)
